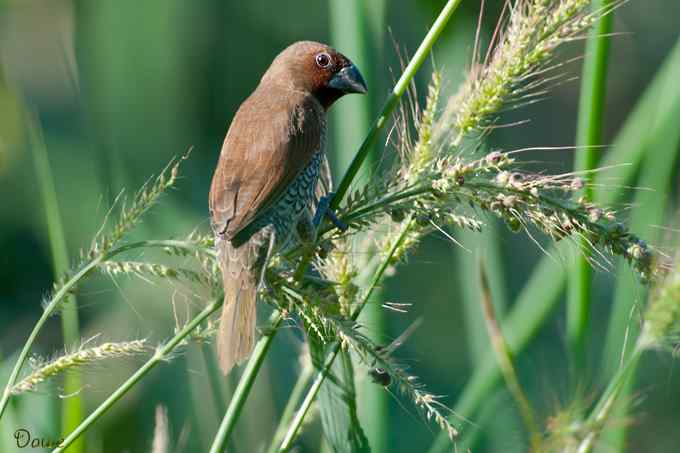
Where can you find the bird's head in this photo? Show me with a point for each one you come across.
(316, 68)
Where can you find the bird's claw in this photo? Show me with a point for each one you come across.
(339, 224)
(324, 210)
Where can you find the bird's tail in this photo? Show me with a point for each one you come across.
(241, 274)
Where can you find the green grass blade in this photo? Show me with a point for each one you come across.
(72, 407)
(337, 404)
(506, 363)
(629, 146)
(351, 117)
(588, 136)
(487, 245)
(215, 379)
(662, 155)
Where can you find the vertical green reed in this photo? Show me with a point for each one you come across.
(357, 29)
(215, 378)
(72, 410)
(589, 135)
(662, 154)
(244, 385)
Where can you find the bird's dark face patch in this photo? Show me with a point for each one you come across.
(318, 69)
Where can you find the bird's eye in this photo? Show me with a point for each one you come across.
(323, 60)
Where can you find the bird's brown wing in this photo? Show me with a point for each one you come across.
(324, 185)
(272, 138)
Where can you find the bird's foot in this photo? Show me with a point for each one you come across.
(324, 210)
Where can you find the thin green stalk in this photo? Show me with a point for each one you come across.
(215, 378)
(393, 99)
(291, 433)
(658, 140)
(72, 407)
(244, 385)
(657, 176)
(289, 411)
(161, 355)
(487, 245)
(607, 402)
(589, 134)
(321, 375)
(506, 364)
(63, 292)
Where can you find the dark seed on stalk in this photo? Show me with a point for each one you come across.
(380, 376)
(514, 224)
(423, 220)
(397, 215)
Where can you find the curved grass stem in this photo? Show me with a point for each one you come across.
(289, 411)
(162, 354)
(244, 385)
(607, 402)
(393, 99)
(506, 364)
(54, 303)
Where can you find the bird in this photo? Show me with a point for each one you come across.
(269, 178)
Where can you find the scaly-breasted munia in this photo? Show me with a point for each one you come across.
(267, 180)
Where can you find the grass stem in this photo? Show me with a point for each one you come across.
(72, 407)
(161, 355)
(55, 301)
(607, 402)
(506, 365)
(358, 27)
(589, 134)
(393, 99)
(289, 411)
(244, 385)
(215, 379)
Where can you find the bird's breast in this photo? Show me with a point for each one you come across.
(300, 194)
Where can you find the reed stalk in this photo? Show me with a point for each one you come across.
(589, 136)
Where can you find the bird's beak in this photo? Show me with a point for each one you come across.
(348, 80)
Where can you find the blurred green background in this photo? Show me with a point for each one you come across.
(119, 88)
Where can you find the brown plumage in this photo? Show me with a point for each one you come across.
(268, 175)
